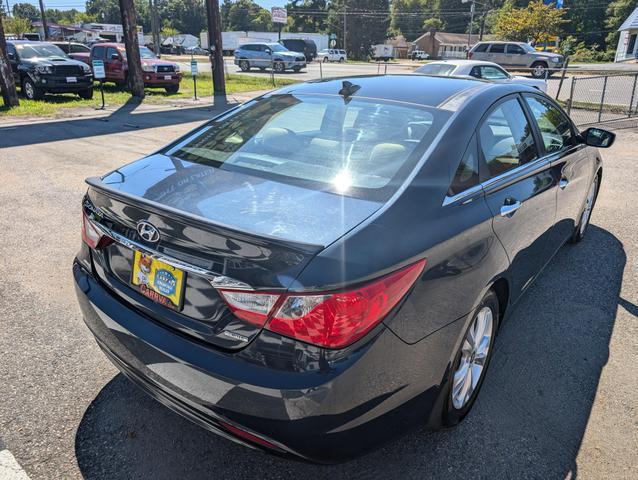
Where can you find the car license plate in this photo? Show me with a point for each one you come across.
(167, 77)
(158, 281)
(71, 79)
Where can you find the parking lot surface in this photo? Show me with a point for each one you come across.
(559, 400)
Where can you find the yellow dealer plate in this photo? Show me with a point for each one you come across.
(158, 281)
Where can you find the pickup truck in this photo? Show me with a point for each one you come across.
(156, 72)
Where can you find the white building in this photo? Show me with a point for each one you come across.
(627, 44)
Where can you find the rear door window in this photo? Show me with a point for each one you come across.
(98, 52)
(506, 138)
(497, 48)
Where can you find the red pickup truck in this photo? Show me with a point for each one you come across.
(156, 72)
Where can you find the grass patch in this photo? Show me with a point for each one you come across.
(53, 104)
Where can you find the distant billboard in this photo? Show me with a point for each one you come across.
(279, 15)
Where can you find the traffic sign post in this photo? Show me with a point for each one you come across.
(194, 74)
(99, 74)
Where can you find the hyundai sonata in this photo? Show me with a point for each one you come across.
(323, 267)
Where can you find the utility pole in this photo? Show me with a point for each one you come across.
(345, 26)
(7, 83)
(469, 33)
(152, 5)
(45, 26)
(216, 54)
(8, 11)
(129, 27)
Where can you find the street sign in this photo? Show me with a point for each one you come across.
(98, 70)
(333, 36)
(279, 15)
(193, 67)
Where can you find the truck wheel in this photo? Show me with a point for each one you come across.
(172, 89)
(539, 69)
(279, 67)
(325, 59)
(31, 91)
(341, 60)
(86, 94)
(244, 65)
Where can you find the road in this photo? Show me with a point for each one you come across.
(559, 400)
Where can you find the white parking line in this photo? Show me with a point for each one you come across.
(10, 469)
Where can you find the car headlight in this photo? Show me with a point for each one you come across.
(177, 68)
(86, 69)
(555, 59)
(44, 69)
(148, 68)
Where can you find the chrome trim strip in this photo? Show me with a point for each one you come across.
(215, 279)
(462, 195)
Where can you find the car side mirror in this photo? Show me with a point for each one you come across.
(11, 57)
(115, 56)
(597, 137)
(268, 51)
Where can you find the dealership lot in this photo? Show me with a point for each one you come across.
(559, 400)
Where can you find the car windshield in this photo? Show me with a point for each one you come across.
(356, 147)
(44, 50)
(275, 47)
(436, 69)
(145, 52)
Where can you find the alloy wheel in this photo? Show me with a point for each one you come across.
(29, 91)
(474, 352)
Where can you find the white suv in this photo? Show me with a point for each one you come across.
(332, 55)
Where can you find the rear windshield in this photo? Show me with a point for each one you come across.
(436, 69)
(356, 147)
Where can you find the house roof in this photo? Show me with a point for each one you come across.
(631, 22)
(450, 38)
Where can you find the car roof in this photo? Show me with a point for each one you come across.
(501, 41)
(423, 90)
(109, 44)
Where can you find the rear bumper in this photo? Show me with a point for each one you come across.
(317, 405)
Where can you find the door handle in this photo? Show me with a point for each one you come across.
(563, 183)
(508, 209)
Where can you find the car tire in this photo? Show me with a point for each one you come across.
(539, 70)
(30, 91)
(172, 89)
(325, 59)
(341, 60)
(86, 94)
(244, 65)
(463, 387)
(296, 69)
(279, 67)
(590, 201)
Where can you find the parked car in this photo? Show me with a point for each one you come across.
(419, 55)
(195, 50)
(477, 69)
(41, 67)
(157, 72)
(332, 55)
(263, 55)
(382, 52)
(301, 45)
(75, 50)
(328, 265)
(518, 55)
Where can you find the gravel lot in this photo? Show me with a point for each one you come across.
(559, 400)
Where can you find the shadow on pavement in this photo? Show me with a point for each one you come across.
(124, 118)
(528, 422)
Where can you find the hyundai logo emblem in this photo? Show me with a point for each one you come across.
(147, 231)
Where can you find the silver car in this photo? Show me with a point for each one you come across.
(514, 55)
(266, 55)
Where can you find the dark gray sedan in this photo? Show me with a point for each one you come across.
(328, 265)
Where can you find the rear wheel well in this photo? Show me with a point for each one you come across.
(502, 290)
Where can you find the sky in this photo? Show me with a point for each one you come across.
(79, 4)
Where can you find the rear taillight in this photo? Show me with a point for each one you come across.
(91, 235)
(331, 320)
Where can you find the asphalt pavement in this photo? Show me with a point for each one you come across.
(559, 400)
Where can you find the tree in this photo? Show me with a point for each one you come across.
(26, 10)
(245, 15)
(433, 22)
(307, 16)
(18, 26)
(408, 16)
(367, 24)
(616, 13)
(187, 16)
(7, 84)
(586, 19)
(536, 22)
